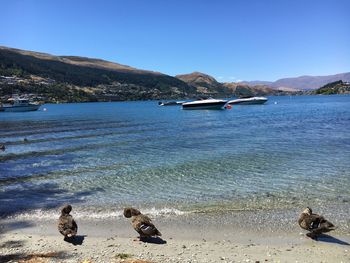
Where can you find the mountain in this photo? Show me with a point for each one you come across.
(336, 87)
(74, 60)
(302, 82)
(243, 90)
(208, 85)
(204, 83)
(71, 78)
(256, 82)
(310, 82)
(52, 78)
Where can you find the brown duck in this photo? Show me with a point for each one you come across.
(314, 223)
(66, 224)
(141, 223)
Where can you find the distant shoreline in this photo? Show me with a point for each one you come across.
(4, 98)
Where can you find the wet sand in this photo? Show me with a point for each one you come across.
(188, 238)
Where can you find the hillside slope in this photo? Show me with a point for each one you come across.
(336, 87)
(204, 84)
(243, 90)
(101, 80)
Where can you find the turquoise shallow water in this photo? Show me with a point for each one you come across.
(103, 156)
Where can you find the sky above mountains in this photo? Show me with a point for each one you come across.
(230, 40)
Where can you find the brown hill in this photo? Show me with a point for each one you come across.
(239, 90)
(65, 78)
(80, 61)
(204, 83)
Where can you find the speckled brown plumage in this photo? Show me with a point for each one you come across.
(141, 223)
(66, 224)
(314, 223)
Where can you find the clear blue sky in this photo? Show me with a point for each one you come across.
(230, 40)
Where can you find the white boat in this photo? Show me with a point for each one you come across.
(19, 105)
(248, 101)
(170, 103)
(207, 104)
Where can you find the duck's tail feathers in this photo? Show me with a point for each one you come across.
(333, 228)
(158, 233)
(328, 225)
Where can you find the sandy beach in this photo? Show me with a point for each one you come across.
(188, 238)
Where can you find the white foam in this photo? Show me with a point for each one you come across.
(40, 214)
(162, 211)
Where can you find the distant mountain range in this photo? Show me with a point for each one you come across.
(73, 79)
(302, 82)
(206, 84)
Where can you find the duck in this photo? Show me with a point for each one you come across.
(141, 223)
(66, 224)
(2, 147)
(314, 223)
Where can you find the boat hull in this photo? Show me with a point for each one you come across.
(171, 103)
(247, 101)
(205, 106)
(32, 107)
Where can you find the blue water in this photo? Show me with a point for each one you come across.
(290, 152)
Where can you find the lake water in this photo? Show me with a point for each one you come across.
(288, 153)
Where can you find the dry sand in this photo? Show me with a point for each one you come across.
(184, 240)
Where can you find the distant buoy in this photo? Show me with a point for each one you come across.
(229, 107)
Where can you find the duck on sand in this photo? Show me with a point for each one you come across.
(66, 224)
(141, 223)
(314, 223)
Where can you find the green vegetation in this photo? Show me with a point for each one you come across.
(48, 93)
(123, 255)
(70, 80)
(336, 87)
(12, 63)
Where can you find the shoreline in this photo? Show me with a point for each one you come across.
(194, 238)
